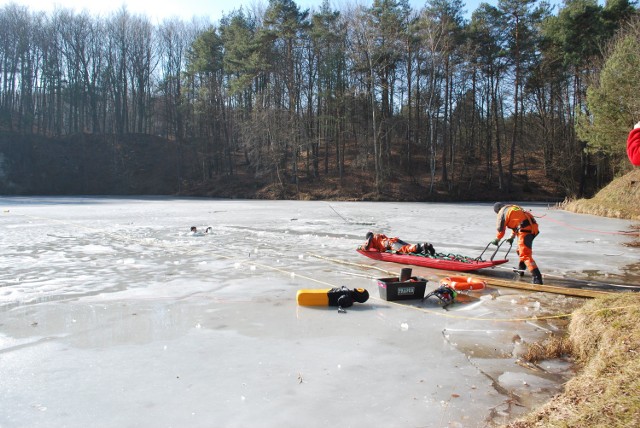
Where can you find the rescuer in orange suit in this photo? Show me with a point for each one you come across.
(381, 242)
(524, 226)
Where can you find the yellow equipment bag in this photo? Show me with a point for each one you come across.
(341, 297)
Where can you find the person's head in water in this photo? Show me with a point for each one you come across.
(194, 229)
(497, 207)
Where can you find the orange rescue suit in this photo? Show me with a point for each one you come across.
(522, 225)
(383, 243)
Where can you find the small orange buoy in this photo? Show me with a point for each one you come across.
(463, 283)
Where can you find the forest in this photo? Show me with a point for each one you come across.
(294, 95)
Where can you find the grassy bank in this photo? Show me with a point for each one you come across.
(620, 199)
(604, 339)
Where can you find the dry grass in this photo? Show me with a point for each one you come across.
(605, 340)
(620, 199)
(553, 347)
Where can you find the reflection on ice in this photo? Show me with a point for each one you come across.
(111, 312)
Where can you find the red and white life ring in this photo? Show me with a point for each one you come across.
(463, 283)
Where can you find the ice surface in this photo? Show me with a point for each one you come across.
(113, 314)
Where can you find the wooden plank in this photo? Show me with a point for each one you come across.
(567, 291)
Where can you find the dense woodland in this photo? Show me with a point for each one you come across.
(293, 94)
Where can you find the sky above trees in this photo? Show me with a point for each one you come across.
(186, 9)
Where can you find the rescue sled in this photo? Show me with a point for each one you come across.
(439, 261)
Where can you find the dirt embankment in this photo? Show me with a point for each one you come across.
(85, 164)
(137, 164)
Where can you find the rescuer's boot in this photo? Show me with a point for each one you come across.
(537, 276)
(521, 268)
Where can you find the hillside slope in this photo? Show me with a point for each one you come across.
(137, 164)
(619, 199)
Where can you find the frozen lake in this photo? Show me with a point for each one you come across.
(113, 314)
